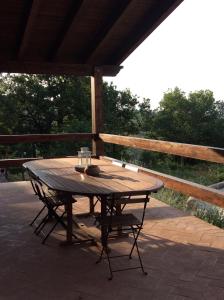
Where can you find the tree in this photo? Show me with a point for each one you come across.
(188, 119)
(52, 104)
(119, 111)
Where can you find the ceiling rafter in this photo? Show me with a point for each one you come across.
(110, 29)
(70, 19)
(80, 10)
(32, 17)
(96, 40)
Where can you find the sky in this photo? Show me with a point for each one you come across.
(186, 50)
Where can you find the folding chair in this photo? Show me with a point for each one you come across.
(52, 203)
(33, 222)
(127, 222)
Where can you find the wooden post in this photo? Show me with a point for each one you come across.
(97, 111)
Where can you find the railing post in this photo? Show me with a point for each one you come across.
(97, 111)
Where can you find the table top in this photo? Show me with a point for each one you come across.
(59, 174)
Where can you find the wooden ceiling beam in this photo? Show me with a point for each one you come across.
(56, 68)
(105, 34)
(80, 11)
(105, 29)
(32, 17)
(65, 31)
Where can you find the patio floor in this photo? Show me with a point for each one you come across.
(184, 257)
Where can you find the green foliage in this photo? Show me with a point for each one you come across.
(53, 104)
(195, 119)
(212, 216)
(172, 198)
(120, 113)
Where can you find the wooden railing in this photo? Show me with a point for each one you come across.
(212, 154)
(31, 138)
(199, 191)
(36, 138)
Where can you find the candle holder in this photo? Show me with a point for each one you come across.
(84, 157)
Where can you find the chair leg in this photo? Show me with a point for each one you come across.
(40, 212)
(50, 215)
(109, 264)
(41, 224)
(106, 250)
(91, 205)
(135, 244)
(53, 227)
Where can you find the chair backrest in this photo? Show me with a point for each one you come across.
(129, 199)
(131, 167)
(38, 186)
(31, 176)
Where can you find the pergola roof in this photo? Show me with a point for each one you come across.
(75, 36)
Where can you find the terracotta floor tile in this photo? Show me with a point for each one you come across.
(183, 255)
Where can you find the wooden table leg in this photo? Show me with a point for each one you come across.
(91, 205)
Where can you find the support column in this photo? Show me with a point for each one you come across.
(97, 110)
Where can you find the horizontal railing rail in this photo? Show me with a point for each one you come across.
(36, 138)
(31, 138)
(16, 162)
(206, 153)
(186, 187)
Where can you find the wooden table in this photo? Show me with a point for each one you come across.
(59, 174)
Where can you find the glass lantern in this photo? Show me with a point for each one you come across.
(84, 157)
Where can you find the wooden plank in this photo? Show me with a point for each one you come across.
(79, 11)
(186, 187)
(32, 18)
(16, 162)
(207, 153)
(28, 138)
(97, 110)
(105, 31)
(56, 68)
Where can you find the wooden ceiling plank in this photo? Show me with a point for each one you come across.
(97, 40)
(59, 43)
(62, 39)
(119, 15)
(28, 29)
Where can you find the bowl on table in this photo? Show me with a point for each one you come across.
(92, 170)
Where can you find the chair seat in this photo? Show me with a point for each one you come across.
(120, 220)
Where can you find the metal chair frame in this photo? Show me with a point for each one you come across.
(42, 209)
(135, 226)
(52, 203)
